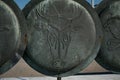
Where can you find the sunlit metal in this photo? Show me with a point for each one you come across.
(92, 3)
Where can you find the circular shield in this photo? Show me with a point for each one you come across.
(12, 36)
(109, 55)
(64, 36)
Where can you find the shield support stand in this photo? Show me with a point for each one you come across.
(59, 78)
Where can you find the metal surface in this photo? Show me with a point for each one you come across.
(93, 3)
(60, 42)
(59, 78)
(11, 35)
(109, 55)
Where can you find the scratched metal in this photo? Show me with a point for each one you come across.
(61, 38)
(11, 36)
(109, 56)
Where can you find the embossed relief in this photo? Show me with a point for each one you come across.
(113, 26)
(4, 28)
(58, 38)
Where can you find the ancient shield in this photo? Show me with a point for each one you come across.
(12, 34)
(109, 55)
(63, 36)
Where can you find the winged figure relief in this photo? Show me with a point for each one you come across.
(4, 28)
(113, 26)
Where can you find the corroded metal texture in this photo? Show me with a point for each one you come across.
(63, 36)
(109, 55)
(9, 32)
(11, 36)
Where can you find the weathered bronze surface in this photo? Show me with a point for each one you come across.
(63, 36)
(11, 35)
(109, 55)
